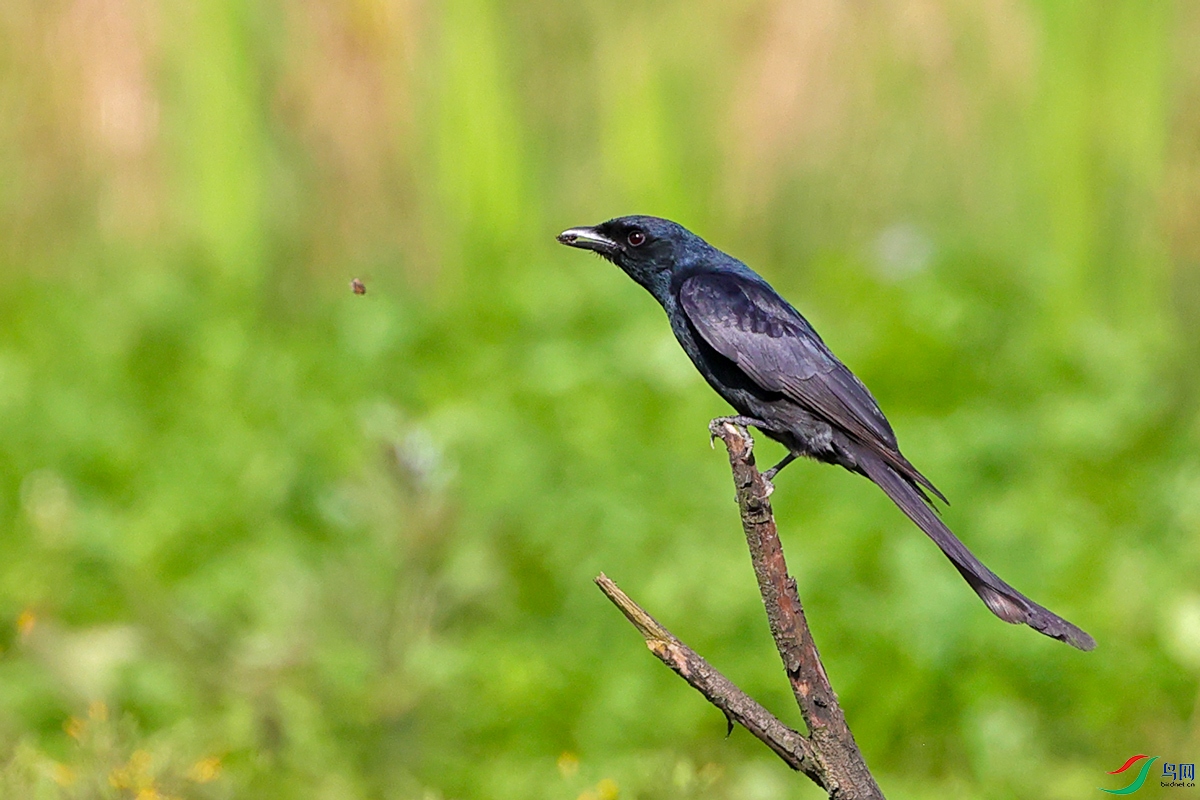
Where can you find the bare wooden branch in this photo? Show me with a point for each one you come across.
(845, 772)
(828, 754)
(738, 706)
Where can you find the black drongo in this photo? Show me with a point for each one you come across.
(759, 354)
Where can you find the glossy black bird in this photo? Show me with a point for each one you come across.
(759, 354)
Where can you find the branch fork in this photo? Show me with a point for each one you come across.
(828, 755)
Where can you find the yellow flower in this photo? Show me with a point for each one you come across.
(205, 771)
(135, 774)
(139, 762)
(607, 789)
(75, 728)
(63, 775)
(568, 764)
(119, 778)
(25, 622)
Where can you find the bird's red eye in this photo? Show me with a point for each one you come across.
(636, 238)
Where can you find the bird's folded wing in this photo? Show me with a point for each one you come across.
(774, 346)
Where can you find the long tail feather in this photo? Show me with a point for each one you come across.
(1004, 601)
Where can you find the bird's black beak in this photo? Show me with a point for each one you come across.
(589, 239)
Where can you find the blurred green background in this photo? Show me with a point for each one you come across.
(262, 537)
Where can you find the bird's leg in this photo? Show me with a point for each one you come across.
(773, 471)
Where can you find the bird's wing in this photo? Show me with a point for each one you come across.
(774, 346)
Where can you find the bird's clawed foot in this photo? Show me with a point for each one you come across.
(739, 420)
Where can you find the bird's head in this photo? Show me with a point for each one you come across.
(648, 249)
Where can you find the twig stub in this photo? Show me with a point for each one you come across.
(737, 706)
